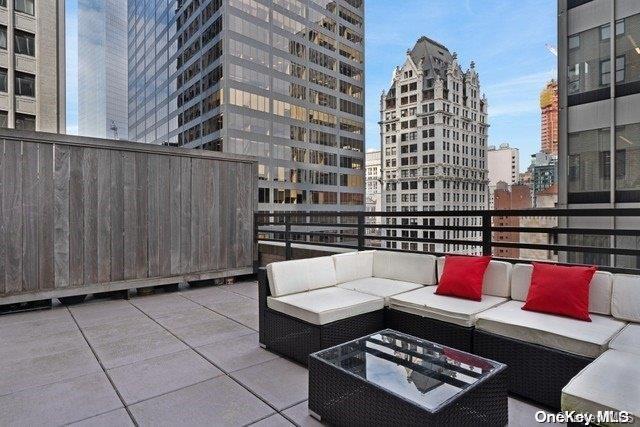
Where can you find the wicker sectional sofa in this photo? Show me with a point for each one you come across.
(311, 304)
(544, 353)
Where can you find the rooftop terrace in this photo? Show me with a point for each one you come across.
(188, 357)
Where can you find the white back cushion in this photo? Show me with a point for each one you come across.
(406, 267)
(353, 266)
(599, 288)
(497, 278)
(625, 301)
(290, 277)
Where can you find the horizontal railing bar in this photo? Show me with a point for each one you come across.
(598, 231)
(333, 245)
(568, 248)
(595, 212)
(618, 270)
(385, 238)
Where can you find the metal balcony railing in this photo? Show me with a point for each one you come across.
(487, 234)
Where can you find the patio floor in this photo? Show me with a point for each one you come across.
(182, 358)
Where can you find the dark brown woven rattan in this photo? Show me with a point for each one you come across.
(443, 333)
(535, 372)
(343, 399)
(296, 339)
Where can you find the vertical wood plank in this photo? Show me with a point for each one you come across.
(90, 194)
(61, 179)
(232, 242)
(205, 221)
(103, 236)
(46, 275)
(164, 226)
(142, 195)
(185, 215)
(76, 217)
(224, 215)
(215, 215)
(244, 193)
(116, 206)
(12, 214)
(153, 208)
(196, 198)
(30, 256)
(174, 202)
(130, 236)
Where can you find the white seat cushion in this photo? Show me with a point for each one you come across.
(627, 340)
(322, 306)
(424, 302)
(599, 288)
(609, 383)
(496, 281)
(405, 267)
(380, 287)
(353, 265)
(561, 333)
(289, 277)
(625, 300)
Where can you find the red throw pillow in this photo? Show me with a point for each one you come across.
(556, 289)
(462, 276)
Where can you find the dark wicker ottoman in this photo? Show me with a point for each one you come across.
(393, 379)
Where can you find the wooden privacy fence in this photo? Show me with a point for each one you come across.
(83, 215)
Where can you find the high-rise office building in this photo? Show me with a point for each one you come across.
(102, 69)
(433, 126)
(32, 65)
(282, 80)
(549, 118)
(503, 165)
(373, 168)
(599, 124)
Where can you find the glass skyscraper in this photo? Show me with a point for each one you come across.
(102, 68)
(282, 80)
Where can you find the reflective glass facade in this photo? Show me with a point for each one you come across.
(102, 69)
(282, 80)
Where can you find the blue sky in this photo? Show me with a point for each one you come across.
(505, 38)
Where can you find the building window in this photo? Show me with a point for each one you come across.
(3, 79)
(25, 84)
(4, 119)
(3, 37)
(25, 6)
(25, 43)
(587, 60)
(589, 166)
(627, 170)
(628, 54)
(25, 122)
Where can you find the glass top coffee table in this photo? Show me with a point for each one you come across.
(393, 378)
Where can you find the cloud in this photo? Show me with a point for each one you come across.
(518, 95)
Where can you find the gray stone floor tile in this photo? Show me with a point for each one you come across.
(215, 330)
(53, 343)
(522, 414)
(160, 375)
(220, 401)
(28, 372)
(53, 314)
(280, 382)
(134, 349)
(35, 330)
(178, 320)
(243, 310)
(214, 295)
(158, 305)
(275, 420)
(299, 414)
(100, 312)
(117, 418)
(60, 403)
(247, 289)
(236, 353)
(114, 330)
